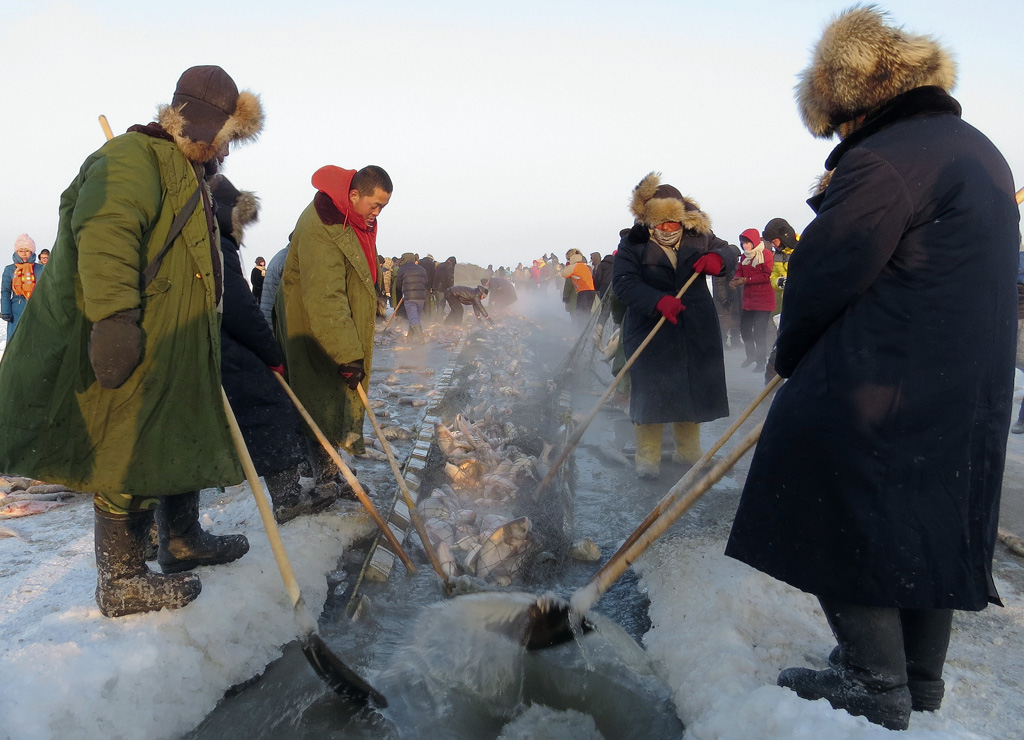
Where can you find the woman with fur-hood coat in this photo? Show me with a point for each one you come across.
(898, 339)
(680, 377)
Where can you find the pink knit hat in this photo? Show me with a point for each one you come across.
(24, 242)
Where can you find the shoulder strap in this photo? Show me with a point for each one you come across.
(176, 226)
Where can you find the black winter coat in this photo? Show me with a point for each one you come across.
(411, 282)
(269, 422)
(680, 376)
(444, 276)
(603, 275)
(898, 339)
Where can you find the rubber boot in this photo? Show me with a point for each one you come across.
(925, 641)
(286, 494)
(124, 585)
(183, 543)
(867, 675)
(686, 435)
(648, 450)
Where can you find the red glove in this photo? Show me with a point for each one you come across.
(709, 264)
(279, 369)
(670, 308)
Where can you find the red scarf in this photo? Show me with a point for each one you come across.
(24, 281)
(336, 183)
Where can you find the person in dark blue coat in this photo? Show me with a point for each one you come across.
(679, 378)
(270, 424)
(898, 339)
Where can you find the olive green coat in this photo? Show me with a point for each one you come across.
(164, 430)
(326, 307)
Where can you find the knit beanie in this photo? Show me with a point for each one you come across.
(24, 241)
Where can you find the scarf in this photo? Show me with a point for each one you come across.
(24, 280)
(754, 256)
(335, 183)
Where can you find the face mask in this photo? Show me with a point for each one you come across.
(667, 239)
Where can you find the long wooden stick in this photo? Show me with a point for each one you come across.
(582, 428)
(687, 480)
(350, 477)
(393, 315)
(328, 666)
(106, 128)
(1020, 196)
(417, 522)
(585, 597)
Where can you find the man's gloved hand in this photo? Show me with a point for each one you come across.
(670, 307)
(781, 282)
(9, 318)
(279, 369)
(115, 347)
(709, 264)
(353, 373)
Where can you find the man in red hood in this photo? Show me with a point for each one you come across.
(327, 302)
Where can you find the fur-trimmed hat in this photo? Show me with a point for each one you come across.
(236, 208)
(860, 63)
(653, 203)
(207, 112)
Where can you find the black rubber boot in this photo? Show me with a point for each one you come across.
(867, 675)
(183, 543)
(124, 585)
(925, 641)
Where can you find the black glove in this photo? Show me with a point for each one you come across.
(353, 373)
(781, 282)
(9, 318)
(115, 347)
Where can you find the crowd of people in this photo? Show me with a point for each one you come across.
(889, 518)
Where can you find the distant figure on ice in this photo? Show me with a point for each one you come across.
(19, 281)
(680, 377)
(444, 278)
(411, 284)
(581, 280)
(502, 293)
(121, 394)
(259, 273)
(44, 257)
(327, 303)
(462, 295)
(753, 276)
(898, 339)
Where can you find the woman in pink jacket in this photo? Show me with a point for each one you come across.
(753, 274)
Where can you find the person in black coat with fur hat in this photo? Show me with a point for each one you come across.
(270, 424)
(898, 339)
(680, 377)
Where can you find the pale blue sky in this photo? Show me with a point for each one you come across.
(509, 129)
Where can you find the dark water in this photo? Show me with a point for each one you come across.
(447, 678)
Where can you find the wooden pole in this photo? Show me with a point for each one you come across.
(582, 428)
(350, 477)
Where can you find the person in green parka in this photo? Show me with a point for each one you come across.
(115, 386)
(327, 302)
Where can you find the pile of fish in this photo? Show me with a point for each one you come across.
(24, 496)
(479, 513)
